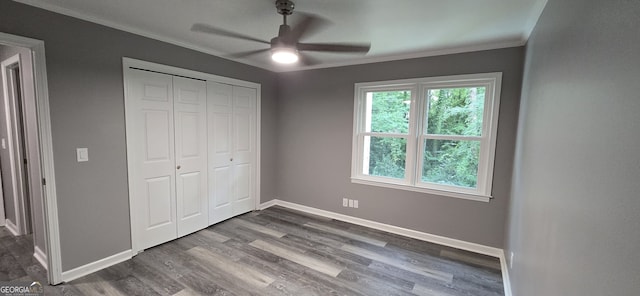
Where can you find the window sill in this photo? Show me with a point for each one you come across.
(475, 197)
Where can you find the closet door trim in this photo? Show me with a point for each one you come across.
(129, 63)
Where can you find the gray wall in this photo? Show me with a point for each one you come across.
(35, 192)
(314, 148)
(84, 65)
(574, 224)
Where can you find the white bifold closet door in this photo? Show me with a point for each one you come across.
(232, 150)
(168, 130)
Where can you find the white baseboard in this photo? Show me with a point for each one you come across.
(40, 256)
(506, 281)
(267, 204)
(432, 238)
(441, 240)
(12, 227)
(92, 267)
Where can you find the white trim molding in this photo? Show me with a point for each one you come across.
(92, 267)
(40, 256)
(432, 238)
(50, 200)
(11, 227)
(506, 281)
(268, 204)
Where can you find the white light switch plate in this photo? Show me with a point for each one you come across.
(4, 144)
(82, 154)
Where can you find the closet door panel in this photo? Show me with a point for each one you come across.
(244, 149)
(158, 195)
(150, 101)
(219, 118)
(191, 154)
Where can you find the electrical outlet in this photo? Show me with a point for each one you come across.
(351, 203)
(345, 202)
(355, 203)
(511, 261)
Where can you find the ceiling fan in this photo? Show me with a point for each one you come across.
(286, 48)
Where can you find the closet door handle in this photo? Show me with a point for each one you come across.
(178, 167)
(231, 159)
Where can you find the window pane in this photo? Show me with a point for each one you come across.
(384, 156)
(451, 162)
(455, 111)
(388, 112)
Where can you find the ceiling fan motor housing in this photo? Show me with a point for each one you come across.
(285, 7)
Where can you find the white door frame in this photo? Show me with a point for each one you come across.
(12, 118)
(51, 227)
(128, 63)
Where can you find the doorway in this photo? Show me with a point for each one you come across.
(26, 158)
(14, 160)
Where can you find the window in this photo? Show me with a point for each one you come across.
(434, 135)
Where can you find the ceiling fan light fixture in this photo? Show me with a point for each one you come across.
(284, 55)
(286, 47)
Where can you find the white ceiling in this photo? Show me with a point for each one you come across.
(396, 29)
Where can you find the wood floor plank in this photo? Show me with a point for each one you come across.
(309, 281)
(476, 260)
(297, 257)
(210, 234)
(93, 284)
(323, 250)
(198, 283)
(186, 292)
(240, 233)
(308, 233)
(158, 281)
(192, 241)
(371, 285)
(420, 259)
(10, 268)
(427, 291)
(439, 275)
(258, 228)
(347, 234)
(245, 274)
(355, 266)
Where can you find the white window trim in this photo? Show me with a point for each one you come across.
(418, 87)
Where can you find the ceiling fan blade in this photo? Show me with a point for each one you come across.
(307, 26)
(204, 28)
(247, 53)
(306, 60)
(335, 47)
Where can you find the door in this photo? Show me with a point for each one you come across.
(150, 100)
(244, 149)
(220, 146)
(232, 150)
(190, 113)
(169, 155)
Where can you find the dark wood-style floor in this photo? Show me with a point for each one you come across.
(276, 252)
